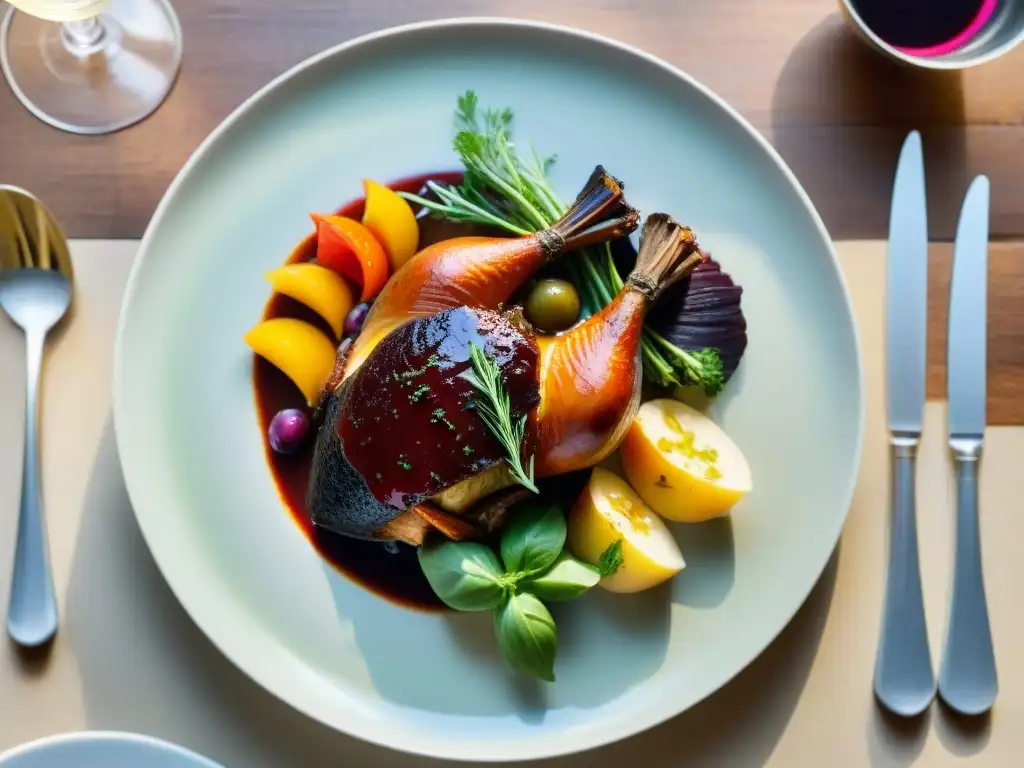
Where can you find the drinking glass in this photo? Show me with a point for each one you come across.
(90, 66)
(943, 34)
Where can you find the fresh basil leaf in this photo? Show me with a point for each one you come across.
(527, 637)
(533, 538)
(466, 576)
(565, 579)
(610, 559)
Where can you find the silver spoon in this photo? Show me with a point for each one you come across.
(35, 291)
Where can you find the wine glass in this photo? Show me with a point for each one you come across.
(90, 66)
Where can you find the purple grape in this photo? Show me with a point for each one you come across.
(355, 319)
(288, 430)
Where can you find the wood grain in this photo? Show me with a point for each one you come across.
(1005, 329)
(836, 110)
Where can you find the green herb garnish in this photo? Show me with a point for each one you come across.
(411, 374)
(503, 189)
(403, 463)
(467, 450)
(438, 417)
(610, 559)
(495, 409)
(469, 576)
(532, 539)
(418, 393)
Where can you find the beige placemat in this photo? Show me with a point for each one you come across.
(128, 657)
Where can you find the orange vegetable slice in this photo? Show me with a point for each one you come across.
(300, 350)
(346, 246)
(393, 222)
(321, 289)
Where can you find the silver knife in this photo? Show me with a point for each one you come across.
(967, 677)
(904, 681)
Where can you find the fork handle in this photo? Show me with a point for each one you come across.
(32, 610)
(967, 678)
(904, 681)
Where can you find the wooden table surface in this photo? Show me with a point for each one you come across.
(836, 110)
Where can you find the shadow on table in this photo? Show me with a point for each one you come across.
(896, 742)
(147, 668)
(840, 113)
(961, 735)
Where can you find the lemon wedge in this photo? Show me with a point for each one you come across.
(608, 510)
(682, 463)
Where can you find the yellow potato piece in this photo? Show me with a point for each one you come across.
(301, 351)
(682, 463)
(392, 222)
(608, 509)
(322, 290)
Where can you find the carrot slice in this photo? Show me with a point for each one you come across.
(334, 251)
(346, 246)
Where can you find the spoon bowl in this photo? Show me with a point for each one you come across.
(35, 292)
(34, 298)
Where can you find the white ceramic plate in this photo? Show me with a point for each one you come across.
(102, 749)
(381, 107)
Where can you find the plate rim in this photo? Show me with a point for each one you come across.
(26, 749)
(253, 672)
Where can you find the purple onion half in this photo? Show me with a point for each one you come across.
(699, 312)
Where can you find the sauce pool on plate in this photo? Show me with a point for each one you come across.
(390, 571)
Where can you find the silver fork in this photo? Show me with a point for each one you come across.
(35, 291)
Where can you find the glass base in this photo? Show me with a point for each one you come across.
(93, 77)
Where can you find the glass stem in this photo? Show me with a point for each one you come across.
(84, 37)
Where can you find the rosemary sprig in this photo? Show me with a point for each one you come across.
(495, 409)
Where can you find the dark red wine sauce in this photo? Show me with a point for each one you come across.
(394, 575)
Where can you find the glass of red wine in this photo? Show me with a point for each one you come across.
(939, 34)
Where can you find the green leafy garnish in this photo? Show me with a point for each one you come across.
(610, 559)
(418, 393)
(438, 417)
(532, 539)
(495, 409)
(526, 635)
(469, 576)
(511, 191)
(567, 578)
(466, 576)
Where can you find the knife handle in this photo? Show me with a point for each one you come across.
(967, 678)
(904, 681)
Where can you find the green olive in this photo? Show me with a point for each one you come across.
(553, 305)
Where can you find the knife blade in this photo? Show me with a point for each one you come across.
(967, 676)
(907, 292)
(966, 350)
(904, 681)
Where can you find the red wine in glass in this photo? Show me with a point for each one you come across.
(925, 27)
